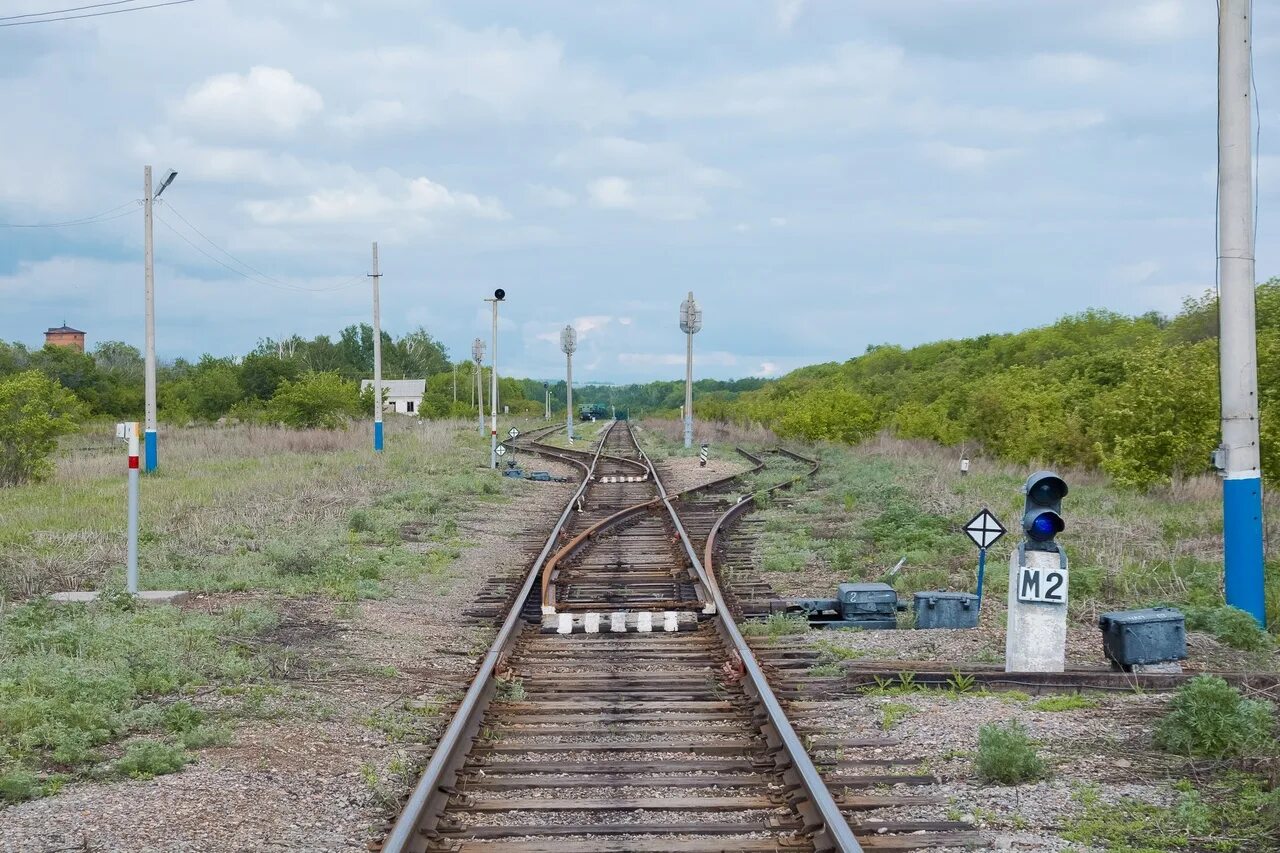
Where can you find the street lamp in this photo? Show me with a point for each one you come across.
(498, 296)
(568, 343)
(690, 324)
(150, 451)
(477, 355)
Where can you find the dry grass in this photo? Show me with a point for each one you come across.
(221, 497)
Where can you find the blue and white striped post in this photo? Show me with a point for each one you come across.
(377, 357)
(1239, 455)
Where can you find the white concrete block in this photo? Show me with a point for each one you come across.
(644, 622)
(591, 623)
(566, 624)
(618, 623)
(670, 622)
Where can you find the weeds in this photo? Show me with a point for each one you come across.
(1236, 813)
(776, 625)
(892, 713)
(75, 678)
(1208, 718)
(1069, 702)
(145, 759)
(510, 690)
(1007, 756)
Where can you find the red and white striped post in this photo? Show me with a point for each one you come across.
(131, 577)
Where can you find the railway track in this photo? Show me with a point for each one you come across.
(619, 708)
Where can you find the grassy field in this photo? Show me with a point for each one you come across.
(96, 692)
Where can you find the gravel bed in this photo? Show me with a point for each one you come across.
(679, 473)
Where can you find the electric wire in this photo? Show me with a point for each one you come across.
(93, 14)
(62, 11)
(233, 258)
(258, 279)
(86, 220)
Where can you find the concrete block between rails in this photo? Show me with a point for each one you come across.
(618, 621)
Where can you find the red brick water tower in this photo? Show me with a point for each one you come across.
(65, 336)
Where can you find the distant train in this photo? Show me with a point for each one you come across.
(593, 412)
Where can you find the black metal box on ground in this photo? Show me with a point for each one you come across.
(1153, 635)
(938, 609)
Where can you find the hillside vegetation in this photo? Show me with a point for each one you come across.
(1135, 396)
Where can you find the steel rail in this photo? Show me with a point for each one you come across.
(830, 830)
(430, 796)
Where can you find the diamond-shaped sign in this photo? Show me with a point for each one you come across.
(984, 529)
(501, 450)
(513, 432)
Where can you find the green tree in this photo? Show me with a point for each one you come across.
(34, 411)
(315, 400)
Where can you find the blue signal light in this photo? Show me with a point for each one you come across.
(1043, 526)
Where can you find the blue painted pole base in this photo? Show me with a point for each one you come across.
(982, 570)
(1242, 545)
(377, 436)
(150, 453)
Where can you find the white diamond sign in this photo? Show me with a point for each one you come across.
(501, 450)
(513, 432)
(984, 529)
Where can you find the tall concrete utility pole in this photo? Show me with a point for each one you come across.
(377, 355)
(568, 343)
(150, 451)
(1238, 455)
(690, 324)
(477, 355)
(498, 296)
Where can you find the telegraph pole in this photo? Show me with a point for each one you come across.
(690, 324)
(1238, 455)
(477, 355)
(150, 451)
(377, 356)
(546, 392)
(568, 343)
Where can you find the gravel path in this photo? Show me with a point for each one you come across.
(342, 739)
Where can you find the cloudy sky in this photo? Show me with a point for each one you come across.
(823, 175)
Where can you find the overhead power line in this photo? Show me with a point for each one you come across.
(256, 277)
(62, 11)
(35, 19)
(104, 216)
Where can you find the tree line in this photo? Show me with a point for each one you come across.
(1135, 396)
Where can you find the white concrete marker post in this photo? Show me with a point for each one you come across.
(1036, 639)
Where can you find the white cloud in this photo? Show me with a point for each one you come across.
(370, 200)
(767, 368)
(265, 102)
(778, 221)
(1071, 67)
(963, 158)
(380, 114)
(1153, 20)
(787, 11)
(657, 180)
(611, 193)
(551, 196)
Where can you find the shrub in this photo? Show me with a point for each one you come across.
(293, 560)
(147, 758)
(1208, 718)
(316, 400)
(34, 411)
(360, 522)
(18, 784)
(1006, 755)
(1231, 625)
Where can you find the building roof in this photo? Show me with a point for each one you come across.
(399, 387)
(64, 329)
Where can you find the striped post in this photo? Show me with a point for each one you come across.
(131, 576)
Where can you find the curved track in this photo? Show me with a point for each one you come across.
(635, 717)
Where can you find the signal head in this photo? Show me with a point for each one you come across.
(499, 294)
(1042, 513)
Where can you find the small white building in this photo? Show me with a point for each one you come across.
(403, 396)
